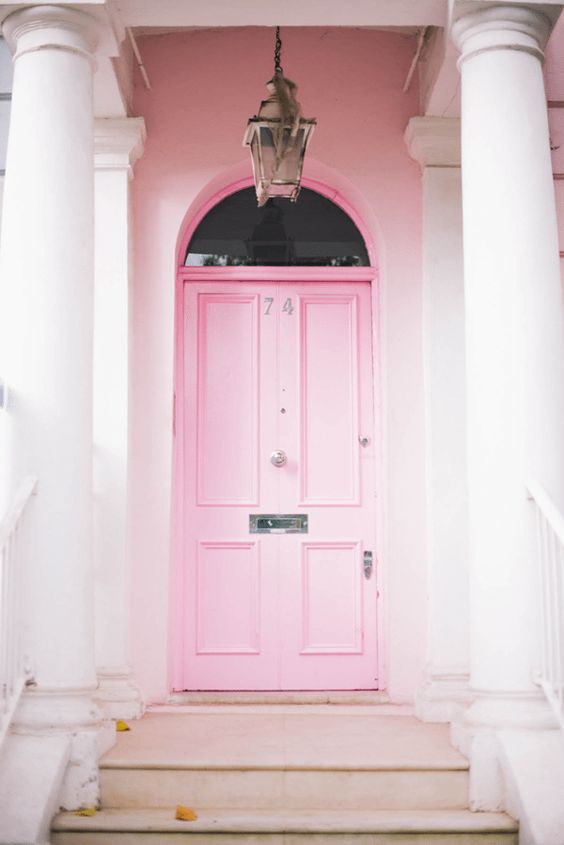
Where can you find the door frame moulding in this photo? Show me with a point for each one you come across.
(185, 275)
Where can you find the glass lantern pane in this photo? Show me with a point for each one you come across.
(289, 167)
(256, 159)
(265, 152)
(266, 138)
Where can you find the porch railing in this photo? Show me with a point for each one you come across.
(550, 539)
(13, 546)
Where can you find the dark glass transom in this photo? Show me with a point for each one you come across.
(312, 232)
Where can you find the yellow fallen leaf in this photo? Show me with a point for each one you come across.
(122, 726)
(185, 814)
(86, 811)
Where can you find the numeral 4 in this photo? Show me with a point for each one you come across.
(288, 307)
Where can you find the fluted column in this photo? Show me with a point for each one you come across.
(118, 144)
(514, 350)
(47, 317)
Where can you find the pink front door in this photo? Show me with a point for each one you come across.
(279, 367)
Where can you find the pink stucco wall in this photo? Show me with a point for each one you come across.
(204, 86)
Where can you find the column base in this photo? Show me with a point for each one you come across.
(70, 714)
(475, 732)
(434, 701)
(117, 695)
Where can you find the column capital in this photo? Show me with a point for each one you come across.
(51, 27)
(434, 141)
(118, 142)
(507, 27)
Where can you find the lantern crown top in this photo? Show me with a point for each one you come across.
(283, 93)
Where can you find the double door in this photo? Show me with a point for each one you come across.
(279, 518)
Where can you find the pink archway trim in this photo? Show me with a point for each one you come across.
(318, 178)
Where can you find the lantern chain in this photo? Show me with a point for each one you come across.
(277, 50)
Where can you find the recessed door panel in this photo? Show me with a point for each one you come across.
(279, 437)
(331, 607)
(328, 356)
(228, 391)
(228, 598)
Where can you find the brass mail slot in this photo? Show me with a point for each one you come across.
(277, 523)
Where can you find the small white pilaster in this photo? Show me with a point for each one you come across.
(435, 143)
(118, 144)
(515, 366)
(47, 324)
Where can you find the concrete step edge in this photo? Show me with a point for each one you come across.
(314, 821)
(225, 766)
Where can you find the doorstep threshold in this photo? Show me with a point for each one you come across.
(354, 697)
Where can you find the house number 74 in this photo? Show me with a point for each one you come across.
(287, 308)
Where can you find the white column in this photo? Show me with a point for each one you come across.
(118, 144)
(514, 353)
(47, 311)
(434, 142)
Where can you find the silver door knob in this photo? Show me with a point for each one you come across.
(278, 458)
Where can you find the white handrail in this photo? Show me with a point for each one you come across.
(12, 564)
(550, 539)
(547, 506)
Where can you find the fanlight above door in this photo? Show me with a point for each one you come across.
(312, 233)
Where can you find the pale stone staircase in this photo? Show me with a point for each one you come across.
(286, 775)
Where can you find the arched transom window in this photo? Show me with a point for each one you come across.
(313, 232)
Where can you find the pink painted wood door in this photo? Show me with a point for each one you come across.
(288, 367)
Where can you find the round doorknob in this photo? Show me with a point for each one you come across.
(278, 458)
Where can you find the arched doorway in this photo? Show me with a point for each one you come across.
(277, 588)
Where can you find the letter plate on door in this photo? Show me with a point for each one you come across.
(277, 523)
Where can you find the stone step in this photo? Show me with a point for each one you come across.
(291, 789)
(292, 758)
(222, 827)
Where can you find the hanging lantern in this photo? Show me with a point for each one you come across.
(278, 137)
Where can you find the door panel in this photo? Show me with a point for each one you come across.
(279, 367)
(228, 389)
(331, 627)
(225, 626)
(328, 354)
